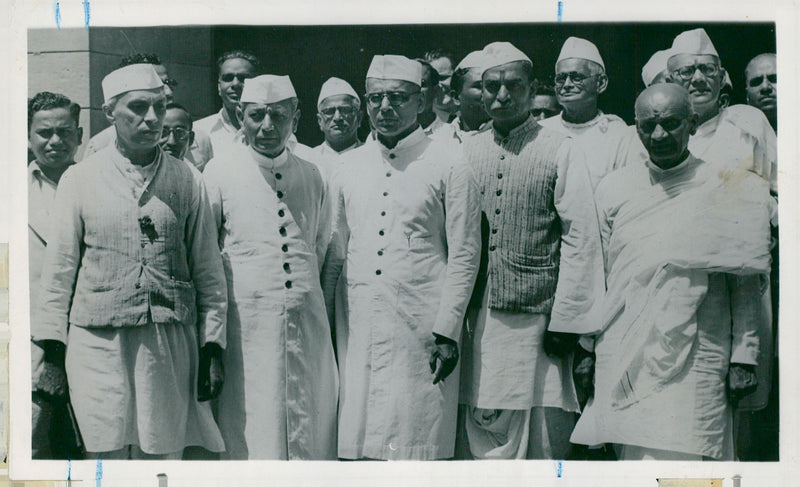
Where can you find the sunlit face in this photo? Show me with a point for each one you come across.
(444, 67)
(230, 83)
(267, 127)
(138, 117)
(469, 99)
(388, 119)
(169, 83)
(176, 133)
(664, 123)
(54, 138)
(506, 92)
(762, 83)
(578, 81)
(338, 117)
(702, 75)
(544, 106)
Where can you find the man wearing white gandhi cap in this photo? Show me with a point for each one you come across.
(541, 269)
(407, 225)
(580, 78)
(338, 116)
(132, 281)
(271, 210)
(738, 135)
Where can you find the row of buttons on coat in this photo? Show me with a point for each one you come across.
(282, 231)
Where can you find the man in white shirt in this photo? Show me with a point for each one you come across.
(407, 244)
(338, 116)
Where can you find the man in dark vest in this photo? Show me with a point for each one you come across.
(541, 270)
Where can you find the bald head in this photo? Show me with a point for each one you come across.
(665, 120)
(762, 85)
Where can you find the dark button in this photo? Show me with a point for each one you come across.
(380, 252)
(380, 232)
(497, 211)
(278, 175)
(280, 194)
(144, 261)
(288, 284)
(499, 175)
(385, 193)
(392, 156)
(283, 229)
(499, 192)
(502, 157)
(494, 230)
(378, 272)
(281, 213)
(286, 266)
(137, 285)
(383, 213)
(388, 174)
(492, 248)
(142, 244)
(285, 248)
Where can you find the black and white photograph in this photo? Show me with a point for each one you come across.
(444, 242)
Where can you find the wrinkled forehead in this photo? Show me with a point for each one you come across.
(578, 65)
(338, 101)
(374, 85)
(760, 66)
(285, 107)
(663, 103)
(679, 61)
(177, 117)
(514, 69)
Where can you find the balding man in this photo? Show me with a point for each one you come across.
(580, 78)
(683, 305)
(132, 298)
(338, 116)
(271, 209)
(234, 68)
(200, 150)
(761, 80)
(407, 241)
(541, 270)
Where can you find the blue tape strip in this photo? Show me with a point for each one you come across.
(560, 9)
(57, 8)
(99, 472)
(558, 469)
(86, 13)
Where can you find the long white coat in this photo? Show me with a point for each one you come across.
(280, 393)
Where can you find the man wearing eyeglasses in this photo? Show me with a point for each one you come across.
(407, 245)
(762, 86)
(338, 116)
(579, 80)
(177, 134)
(271, 208)
(541, 271)
(200, 150)
(132, 301)
(234, 68)
(686, 246)
(739, 135)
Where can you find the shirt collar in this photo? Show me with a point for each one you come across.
(660, 173)
(148, 172)
(708, 127)
(524, 127)
(597, 119)
(408, 141)
(36, 171)
(226, 121)
(269, 162)
(327, 149)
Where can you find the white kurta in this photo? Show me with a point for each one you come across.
(674, 319)
(604, 140)
(279, 399)
(408, 224)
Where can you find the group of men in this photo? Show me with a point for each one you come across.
(493, 274)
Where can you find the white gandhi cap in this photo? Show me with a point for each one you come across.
(130, 78)
(336, 86)
(655, 66)
(390, 66)
(500, 53)
(266, 89)
(693, 42)
(577, 48)
(475, 59)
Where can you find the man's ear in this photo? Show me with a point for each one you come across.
(693, 122)
(108, 112)
(602, 83)
(320, 121)
(295, 120)
(191, 139)
(79, 134)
